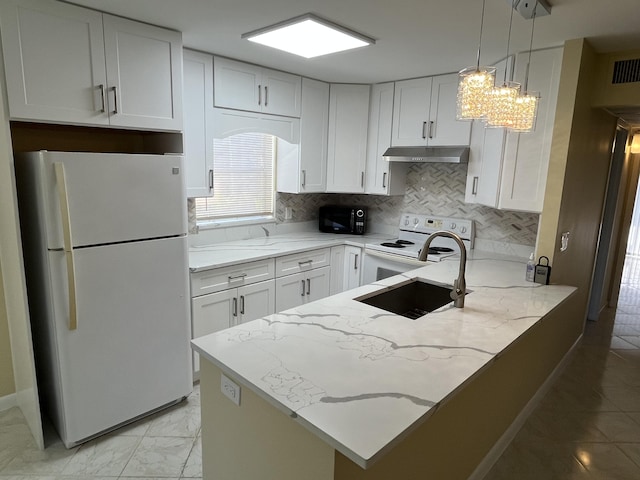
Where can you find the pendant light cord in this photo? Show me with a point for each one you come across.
(480, 40)
(533, 24)
(509, 38)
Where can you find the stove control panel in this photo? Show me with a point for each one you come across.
(428, 224)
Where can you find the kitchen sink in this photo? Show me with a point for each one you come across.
(412, 299)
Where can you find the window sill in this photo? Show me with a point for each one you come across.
(235, 222)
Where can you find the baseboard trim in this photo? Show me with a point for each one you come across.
(8, 401)
(507, 437)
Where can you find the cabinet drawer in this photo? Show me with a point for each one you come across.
(302, 262)
(218, 279)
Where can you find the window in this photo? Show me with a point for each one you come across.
(243, 178)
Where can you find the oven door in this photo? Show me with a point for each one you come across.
(379, 265)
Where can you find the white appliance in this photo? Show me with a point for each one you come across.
(400, 254)
(105, 248)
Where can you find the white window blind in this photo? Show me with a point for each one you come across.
(243, 178)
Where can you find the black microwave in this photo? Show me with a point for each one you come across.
(342, 219)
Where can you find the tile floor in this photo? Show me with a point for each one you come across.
(166, 445)
(586, 427)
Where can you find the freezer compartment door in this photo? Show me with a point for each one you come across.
(113, 197)
(130, 352)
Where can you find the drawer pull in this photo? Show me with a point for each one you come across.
(305, 262)
(237, 277)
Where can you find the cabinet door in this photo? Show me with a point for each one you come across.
(282, 93)
(337, 269)
(352, 267)
(256, 301)
(55, 54)
(524, 174)
(411, 112)
(314, 131)
(237, 85)
(211, 313)
(317, 281)
(291, 291)
(486, 155)
(144, 73)
(198, 123)
(382, 177)
(443, 128)
(348, 125)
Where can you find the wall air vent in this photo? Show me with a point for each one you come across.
(626, 71)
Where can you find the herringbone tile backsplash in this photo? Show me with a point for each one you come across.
(432, 188)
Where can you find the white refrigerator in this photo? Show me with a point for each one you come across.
(105, 249)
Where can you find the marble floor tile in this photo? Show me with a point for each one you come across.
(193, 467)
(626, 398)
(607, 462)
(32, 461)
(105, 456)
(617, 426)
(179, 421)
(632, 450)
(159, 457)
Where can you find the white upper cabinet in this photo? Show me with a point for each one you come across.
(307, 172)
(68, 64)
(348, 125)
(242, 86)
(144, 75)
(198, 122)
(424, 113)
(509, 170)
(382, 177)
(486, 154)
(526, 162)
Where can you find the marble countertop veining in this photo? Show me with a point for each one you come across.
(359, 377)
(215, 255)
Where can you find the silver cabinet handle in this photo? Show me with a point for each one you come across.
(63, 198)
(211, 179)
(115, 99)
(474, 188)
(424, 130)
(259, 94)
(302, 293)
(305, 262)
(241, 304)
(304, 178)
(362, 179)
(431, 129)
(101, 87)
(355, 262)
(266, 95)
(308, 286)
(384, 180)
(237, 277)
(234, 311)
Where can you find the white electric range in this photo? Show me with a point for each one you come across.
(400, 254)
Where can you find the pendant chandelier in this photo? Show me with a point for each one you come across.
(474, 85)
(504, 106)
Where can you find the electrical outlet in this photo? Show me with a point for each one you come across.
(230, 389)
(288, 213)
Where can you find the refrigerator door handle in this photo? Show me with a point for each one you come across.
(68, 245)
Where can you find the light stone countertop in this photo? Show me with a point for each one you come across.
(361, 378)
(215, 255)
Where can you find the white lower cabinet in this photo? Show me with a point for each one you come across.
(228, 296)
(300, 288)
(346, 263)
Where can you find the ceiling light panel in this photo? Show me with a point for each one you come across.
(308, 36)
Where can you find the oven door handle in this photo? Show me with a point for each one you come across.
(395, 258)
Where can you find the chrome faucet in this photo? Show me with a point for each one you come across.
(459, 284)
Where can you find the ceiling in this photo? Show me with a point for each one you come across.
(414, 37)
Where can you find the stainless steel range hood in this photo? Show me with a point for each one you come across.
(453, 154)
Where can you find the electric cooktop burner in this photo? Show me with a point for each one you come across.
(405, 242)
(392, 244)
(440, 249)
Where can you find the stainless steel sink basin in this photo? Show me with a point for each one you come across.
(412, 299)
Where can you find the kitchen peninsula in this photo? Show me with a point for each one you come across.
(337, 389)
